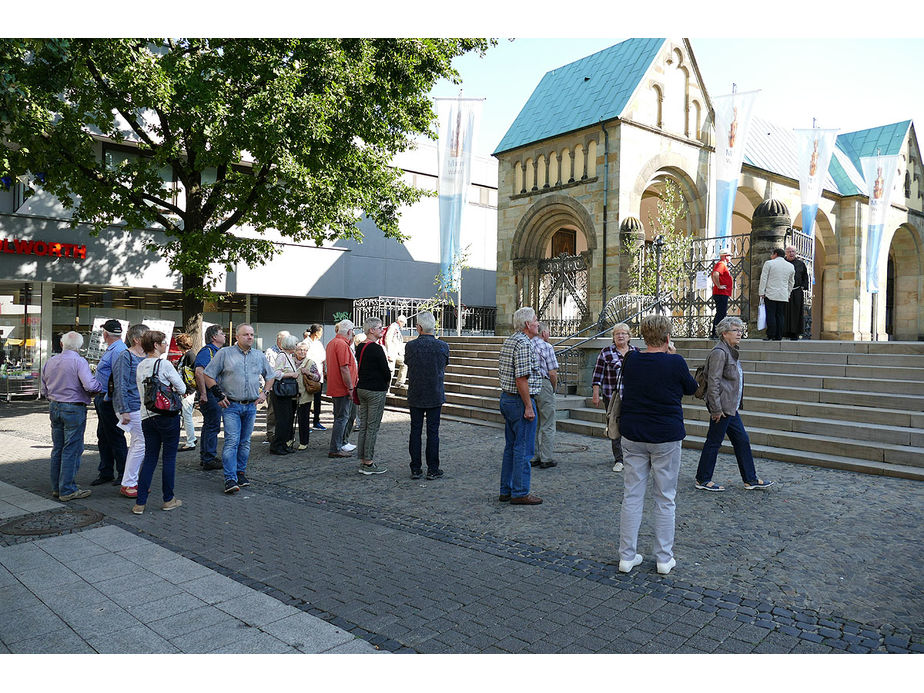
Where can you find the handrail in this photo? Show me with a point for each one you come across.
(646, 309)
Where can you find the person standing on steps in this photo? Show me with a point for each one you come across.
(793, 322)
(543, 457)
(721, 289)
(606, 378)
(520, 381)
(724, 395)
(776, 282)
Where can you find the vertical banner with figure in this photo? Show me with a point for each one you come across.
(458, 118)
(879, 172)
(814, 148)
(732, 123)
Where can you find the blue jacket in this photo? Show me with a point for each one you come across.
(104, 367)
(426, 358)
(126, 398)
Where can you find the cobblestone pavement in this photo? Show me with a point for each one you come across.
(825, 561)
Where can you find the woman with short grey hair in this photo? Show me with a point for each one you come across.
(724, 395)
(651, 424)
(371, 389)
(285, 367)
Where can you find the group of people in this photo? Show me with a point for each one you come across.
(783, 283)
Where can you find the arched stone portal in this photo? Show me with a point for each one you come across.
(904, 310)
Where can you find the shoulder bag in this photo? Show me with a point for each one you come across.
(160, 398)
(615, 406)
(286, 387)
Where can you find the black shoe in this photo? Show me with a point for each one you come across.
(435, 474)
(242, 480)
(548, 465)
(209, 466)
(504, 497)
(231, 486)
(118, 480)
(416, 474)
(283, 451)
(535, 463)
(101, 480)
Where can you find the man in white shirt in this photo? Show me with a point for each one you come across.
(777, 278)
(394, 349)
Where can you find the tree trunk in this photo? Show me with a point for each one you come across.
(193, 308)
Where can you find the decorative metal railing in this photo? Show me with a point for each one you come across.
(475, 319)
(805, 251)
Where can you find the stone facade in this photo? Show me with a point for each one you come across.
(593, 179)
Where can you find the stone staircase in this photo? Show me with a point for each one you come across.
(847, 405)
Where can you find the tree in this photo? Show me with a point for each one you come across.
(294, 135)
(674, 251)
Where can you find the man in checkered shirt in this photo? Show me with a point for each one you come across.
(520, 381)
(545, 400)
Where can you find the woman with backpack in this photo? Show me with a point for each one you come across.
(724, 395)
(161, 427)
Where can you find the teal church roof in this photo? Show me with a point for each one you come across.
(565, 100)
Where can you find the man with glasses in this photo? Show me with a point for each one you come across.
(520, 381)
(211, 412)
(233, 377)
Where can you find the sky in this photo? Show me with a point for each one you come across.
(849, 84)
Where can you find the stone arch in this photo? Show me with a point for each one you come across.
(905, 292)
(673, 166)
(747, 199)
(544, 218)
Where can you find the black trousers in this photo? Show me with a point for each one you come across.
(776, 313)
(317, 408)
(111, 438)
(285, 413)
(303, 416)
(721, 310)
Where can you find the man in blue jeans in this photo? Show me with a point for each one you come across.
(211, 412)
(426, 359)
(233, 377)
(521, 381)
(68, 384)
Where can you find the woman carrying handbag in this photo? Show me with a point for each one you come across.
(309, 385)
(285, 394)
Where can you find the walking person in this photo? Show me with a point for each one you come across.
(372, 388)
(606, 378)
(724, 396)
(794, 320)
(233, 376)
(110, 438)
(520, 381)
(208, 405)
(341, 377)
(127, 403)
(161, 429)
(307, 369)
(545, 401)
(426, 358)
(776, 281)
(285, 369)
(67, 383)
(721, 289)
(187, 368)
(651, 424)
(317, 354)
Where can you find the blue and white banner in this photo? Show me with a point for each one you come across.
(879, 172)
(814, 148)
(732, 123)
(457, 121)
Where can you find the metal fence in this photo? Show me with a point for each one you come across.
(476, 320)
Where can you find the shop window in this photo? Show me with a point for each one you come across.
(20, 327)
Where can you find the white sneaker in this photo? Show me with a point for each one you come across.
(626, 566)
(665, 568)
(617, 467)
(349, 447)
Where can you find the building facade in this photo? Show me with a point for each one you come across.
(586, 161)
(54, 278)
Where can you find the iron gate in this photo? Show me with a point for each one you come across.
(563, 293)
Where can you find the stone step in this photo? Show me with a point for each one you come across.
(893, 360)
(806, 443)
(465, 369)
(912, 403)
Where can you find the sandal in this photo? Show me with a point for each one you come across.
(710, 486)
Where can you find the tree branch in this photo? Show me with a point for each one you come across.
(105, 87)
(246, 204)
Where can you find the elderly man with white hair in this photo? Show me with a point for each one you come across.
(394, 349)
(341, 380)
(520, 381)
(68, 384)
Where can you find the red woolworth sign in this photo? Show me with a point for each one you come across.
(18, 246)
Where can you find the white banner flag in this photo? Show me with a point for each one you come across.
(814, 148)
(732, 124)
(879, 172)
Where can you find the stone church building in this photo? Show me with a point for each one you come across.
(586, 161)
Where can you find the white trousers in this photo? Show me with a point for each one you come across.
(662, 462)
(135, 455)
(188, 423)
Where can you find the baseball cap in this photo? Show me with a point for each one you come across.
(113, 327)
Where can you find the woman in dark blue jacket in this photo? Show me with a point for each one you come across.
(651, 425)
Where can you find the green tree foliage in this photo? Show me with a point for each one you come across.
(291, 135)
(674, 251)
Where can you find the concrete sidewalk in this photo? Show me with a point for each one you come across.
(108, 590)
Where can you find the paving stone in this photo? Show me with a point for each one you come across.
(190, 621)
(214, 588)
(256, 609)
(256, 642)
(212, 638)
(23, 624)
(147, 611)
(307, 633)
(60, 641)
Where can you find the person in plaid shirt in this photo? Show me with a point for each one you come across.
(545, 400)
(520, 381)
(606, 376)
